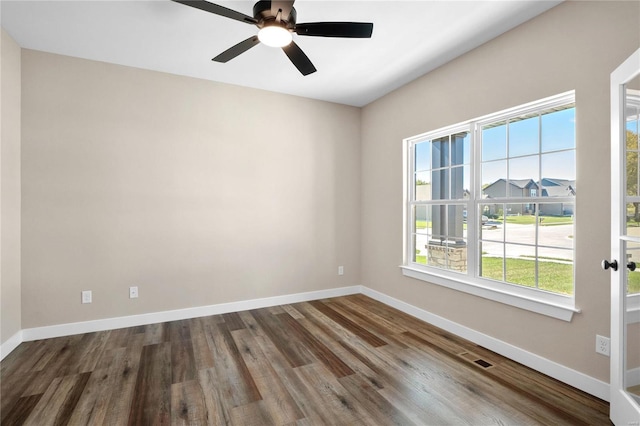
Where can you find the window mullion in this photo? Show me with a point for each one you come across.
(472, 236)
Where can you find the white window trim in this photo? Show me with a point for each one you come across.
(550, 304)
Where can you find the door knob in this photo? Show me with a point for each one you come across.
(631, 266)
(613, 265)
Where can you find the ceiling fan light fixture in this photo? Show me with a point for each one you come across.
(275, 36)
(277, 23)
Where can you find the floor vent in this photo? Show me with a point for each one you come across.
(483, 363)
(475, 359)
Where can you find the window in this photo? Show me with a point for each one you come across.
(491, 205)
(440, 192)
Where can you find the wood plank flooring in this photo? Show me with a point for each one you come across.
(343, 361)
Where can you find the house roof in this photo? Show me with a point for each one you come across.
(558, 187)
(518, 183)
(551, 187)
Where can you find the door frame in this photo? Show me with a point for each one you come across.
(624, 410)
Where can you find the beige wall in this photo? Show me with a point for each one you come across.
(10, 303)
(575, 45)
(204, 193)
(197, 192)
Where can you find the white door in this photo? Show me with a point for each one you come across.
(625, 243)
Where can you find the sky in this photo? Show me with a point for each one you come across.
(530, 148)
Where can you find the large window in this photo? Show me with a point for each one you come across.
(491, 204)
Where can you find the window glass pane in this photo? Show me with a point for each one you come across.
(467, 149)
(523, 175)
(456, 241)
(558, 130)
(423, 156)
(494, 179)
(491, 226)
(521, 265)
(423, 186)
(440, 152)
(520, 224)
(491, 260)
(460, 182)
(555, 270)
(632, 173)
(523, 137)
(633, 277)
(438, 217)
(555, 254)
(555, 225)
(420, 242)
(466, 186)
(494, 142)
(633, 220)
(632, 134)
(447, 223)
(413, 255)
(421, 219)
(460, 149)
(447, 247)
(440, 184)
(455, 224)
(457, 257)
(558, 174)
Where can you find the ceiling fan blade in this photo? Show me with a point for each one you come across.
(299, 59)
(285, 6)
(336, 29)
(218, 10)
(239, 48)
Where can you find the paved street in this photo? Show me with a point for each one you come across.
(556, 240)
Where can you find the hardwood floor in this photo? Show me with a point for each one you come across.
(348, 360)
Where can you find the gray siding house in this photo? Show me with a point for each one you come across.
(526, 188)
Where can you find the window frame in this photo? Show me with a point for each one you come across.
(533, 299)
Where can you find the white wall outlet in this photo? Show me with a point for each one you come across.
(133, 292)
(603, 345)
(86, 296)
(340, 270)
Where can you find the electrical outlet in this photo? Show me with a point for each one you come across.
(603, 345)
(133, 292)
(340, 270)
(86, 296)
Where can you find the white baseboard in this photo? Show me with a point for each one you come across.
(560, 372)
(557, 371)
(59, 330)
(633, 377)
(12, 342)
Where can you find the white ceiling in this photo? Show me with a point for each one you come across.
(410, 38)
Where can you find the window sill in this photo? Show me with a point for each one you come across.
(556, 310)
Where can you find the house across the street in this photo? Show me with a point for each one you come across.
(526, 188)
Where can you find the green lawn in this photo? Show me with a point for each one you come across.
(634, 283)
(552, 276)
(544, 220)
(422, 224)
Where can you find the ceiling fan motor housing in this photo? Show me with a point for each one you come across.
(276, 20)
(262, 13)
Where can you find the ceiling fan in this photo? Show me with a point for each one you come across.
(277, 23)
